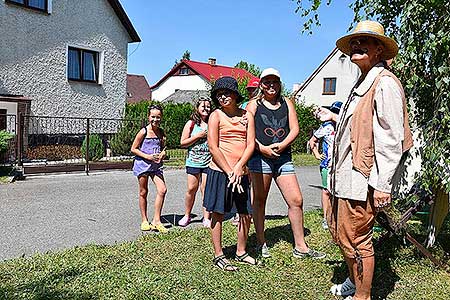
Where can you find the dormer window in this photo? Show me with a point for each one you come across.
(184, 71)
(41, 5)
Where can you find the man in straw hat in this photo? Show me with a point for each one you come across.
(372, 133)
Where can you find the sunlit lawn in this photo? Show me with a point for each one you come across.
(178, 265)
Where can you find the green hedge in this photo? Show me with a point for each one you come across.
(307, 124)
(175, 115)
(4, 140)
(96, 148)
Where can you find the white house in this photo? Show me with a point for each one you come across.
(65, 58)
(189, 75)
(331, 81)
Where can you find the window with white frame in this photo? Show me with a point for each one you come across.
(42, 5)
(83, 65)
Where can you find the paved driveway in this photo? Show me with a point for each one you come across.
(56, 212)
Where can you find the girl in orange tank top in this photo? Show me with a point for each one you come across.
(231, 141)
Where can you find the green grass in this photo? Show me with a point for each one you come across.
(303, 159)
(178, 265)
(177, 159)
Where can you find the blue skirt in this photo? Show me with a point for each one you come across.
(220, 198)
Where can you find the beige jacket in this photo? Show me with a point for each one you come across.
(385, 145)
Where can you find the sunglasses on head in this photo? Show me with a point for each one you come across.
(270, 82)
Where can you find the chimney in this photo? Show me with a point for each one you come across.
(212, 61)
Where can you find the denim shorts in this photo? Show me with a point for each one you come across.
(277, 167)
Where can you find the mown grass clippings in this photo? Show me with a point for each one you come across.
(178, 265)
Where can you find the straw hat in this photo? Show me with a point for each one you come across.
(371, 29)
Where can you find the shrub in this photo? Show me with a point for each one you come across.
(4, 140)
(54, 152)
(175, 115)
(96, 148)
(135, 117)
(307, 124)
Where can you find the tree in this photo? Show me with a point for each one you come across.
(421, 28)
(186, 55)
(253, 69)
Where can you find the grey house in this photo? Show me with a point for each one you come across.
(65, 57)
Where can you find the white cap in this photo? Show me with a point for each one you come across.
(270, 71)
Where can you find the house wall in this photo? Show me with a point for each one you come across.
(346, 74)
(187, 82)
(33, 57)
(11, 107)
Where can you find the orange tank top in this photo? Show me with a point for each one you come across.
(232, 138)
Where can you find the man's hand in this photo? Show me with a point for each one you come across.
(381, 200)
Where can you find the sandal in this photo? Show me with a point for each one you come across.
(222, 263)
(246, 259)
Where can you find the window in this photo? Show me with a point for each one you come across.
(184, 71)
(329, 86)
(42, 5)
(3, 119)
(83, 65)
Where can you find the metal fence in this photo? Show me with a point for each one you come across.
(62, 144)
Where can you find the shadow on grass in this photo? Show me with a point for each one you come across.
(173, 219)
(52, 286)
(384, 279)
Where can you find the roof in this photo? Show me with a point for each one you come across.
(317, 70)
(120, 12)
(14, 98)
(137, 89)
(207, 71)
(186, 96)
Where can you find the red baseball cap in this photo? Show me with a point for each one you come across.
(253, 83)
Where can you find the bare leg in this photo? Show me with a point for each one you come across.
(192, 187)
(292, 194)
(243, 228)
(260, 189)
(161, 191)
(206, 214)
(326, 202)
(143, 191)
(216, 233)
(363, 282)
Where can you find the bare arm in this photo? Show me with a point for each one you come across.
(293, 129)
(140, 136)
(186, 140)
(264, 150)
(213, 144)
(313, 141)
(250, 146)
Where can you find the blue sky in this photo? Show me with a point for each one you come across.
(266, 33)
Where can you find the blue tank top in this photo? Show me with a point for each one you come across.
(198, 155)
